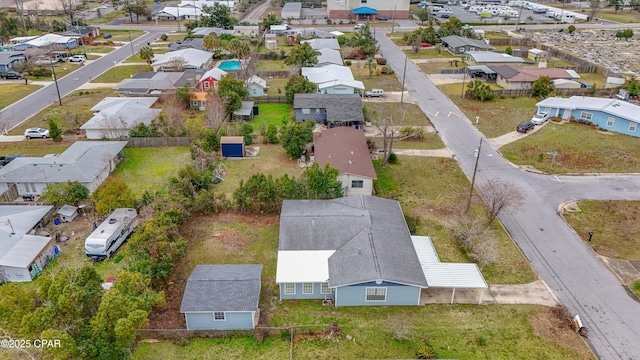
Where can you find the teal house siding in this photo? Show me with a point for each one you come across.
(232, 321)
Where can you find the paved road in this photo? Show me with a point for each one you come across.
(567, 265)
(20, 111)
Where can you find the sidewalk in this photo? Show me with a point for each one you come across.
(415, 152)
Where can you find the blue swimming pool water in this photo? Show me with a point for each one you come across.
(229, 65)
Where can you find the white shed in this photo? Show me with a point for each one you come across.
(68, 213)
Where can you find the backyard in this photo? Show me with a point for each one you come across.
(580, 148)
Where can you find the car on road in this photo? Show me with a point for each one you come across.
(78, 58)
(524, 127)
(384, 18)
(540, 118)
(359, 26)
(12, 75)
(32, 133)
(374, 93)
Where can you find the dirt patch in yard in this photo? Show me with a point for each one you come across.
(554, 325)
(197, 233)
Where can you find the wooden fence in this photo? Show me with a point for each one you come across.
(137, 142)
(274, 74)
(270, 100)
(564, 92)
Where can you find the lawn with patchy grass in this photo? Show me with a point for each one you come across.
(123, 35)
(272, 65)
(431, 53)
(119, 73)
(498, 116)
(598, 80)
(433, 189)
(35, 147)
(136, 58)
(74, 112)
(457, 331)
(412, 113)
(106, 18)
(97, 49)
(581, 149)
(431, 141)
(14, 92)
(625, 17)
(435, 67)
(275, 84)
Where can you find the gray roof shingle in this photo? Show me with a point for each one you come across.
(340, 107)
(370, 236)
(222, 288)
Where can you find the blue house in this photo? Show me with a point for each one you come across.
(355, 250)
(329, 109)
(256, 86)
(222, 297)
(10, 59)
(608, 114)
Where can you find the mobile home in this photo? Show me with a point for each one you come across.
(108, 237)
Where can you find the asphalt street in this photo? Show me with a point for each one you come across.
(557, 254)
(20, 111)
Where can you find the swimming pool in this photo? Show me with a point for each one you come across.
(229, 65)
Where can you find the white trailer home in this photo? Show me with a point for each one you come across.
(108, 237)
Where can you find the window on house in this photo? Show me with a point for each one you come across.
(610, 121)
(290, 288)
(461, 50)
(633, 126)
(363, 1)
(325, 288)
(206, 84)
(376, 294)
(586, 116)
(325, 111)
(218, 316)
(358, 184)
(306, 111)
(307, 288)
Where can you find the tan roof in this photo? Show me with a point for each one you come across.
(231, 140)
(345, 149)
(529, 74)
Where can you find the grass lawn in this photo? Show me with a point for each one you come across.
(430, 53)
(625, 16)
(14, 92)
(73, 113)
(276, 114)
(119, 73)
(98, 49)
(498, 116)
(436, 67)
(414, 116)
(581, 149)
(432, 189)
(431, 141)
(594, 79)
(136, 58)
(35, 147)
(123, 35)
(173, 37)
(496, 35)
(275, 84)
(272, 65)
(106, 18)
(150, 168)
(458, 331)
(384, 82)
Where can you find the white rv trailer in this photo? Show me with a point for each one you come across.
(108, 237)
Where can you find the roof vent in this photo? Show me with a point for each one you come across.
(112, 221)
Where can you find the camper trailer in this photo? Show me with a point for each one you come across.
(108, 237)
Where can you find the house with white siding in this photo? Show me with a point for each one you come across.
(345, 148)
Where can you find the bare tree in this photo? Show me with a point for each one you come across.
(172, 116)
(497, 195)
(176, 63)
(21, 14)
(202, 159)
(389, 125)
(67, 7)
(595, 8)
(476, 238)
(215, 112)
(112, 126)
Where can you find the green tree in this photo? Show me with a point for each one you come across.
(371, 65)
(364, 40)
(298, 84)
(480, 91)
(257, 194)
(146, 53)
(54, 130)
(571, 29)
(270, 20)
(238, 47)
(509, 50)
(232, 91)
(183, 95)
(302, 55)
(451, 27)
(210, 41)
(295, 136)
(272, 134)
(423, 15)
(142, 130)
(625, 34)
(542, 87)
(123, 309)
(321, 184)
(112, 194)
(632, 85)
(217, 16)
(65, 193)
(246, 131)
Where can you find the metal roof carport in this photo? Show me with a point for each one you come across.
(446, 275)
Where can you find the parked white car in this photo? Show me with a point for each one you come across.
(540, 118)
(78, 58)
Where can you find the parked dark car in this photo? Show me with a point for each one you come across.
(384, 18)
(107, 36)
(12, 75)
(524, 127)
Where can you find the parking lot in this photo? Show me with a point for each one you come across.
(525, 16)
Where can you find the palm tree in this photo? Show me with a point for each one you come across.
(371, 65)
(146, 53)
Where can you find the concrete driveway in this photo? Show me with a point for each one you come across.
(391, 96)
(536, 293)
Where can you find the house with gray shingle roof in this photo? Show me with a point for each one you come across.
(458, 45)
(222, 297)
(329, 109)
(357, 251)
(87, 162)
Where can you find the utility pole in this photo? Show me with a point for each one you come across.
(404, 76)
(473, 178)
(55, 79)
(393, 20)
(131, 43)
(464, 77)
(519, 15)
(178, 17)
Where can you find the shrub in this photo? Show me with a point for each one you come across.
(412, 223)
(386, 70)
(40, 72)
(393, 158)
(571, 28)
(426, 351)
(272, 54)
(54, 130)
(347, 62)
(246, 132)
